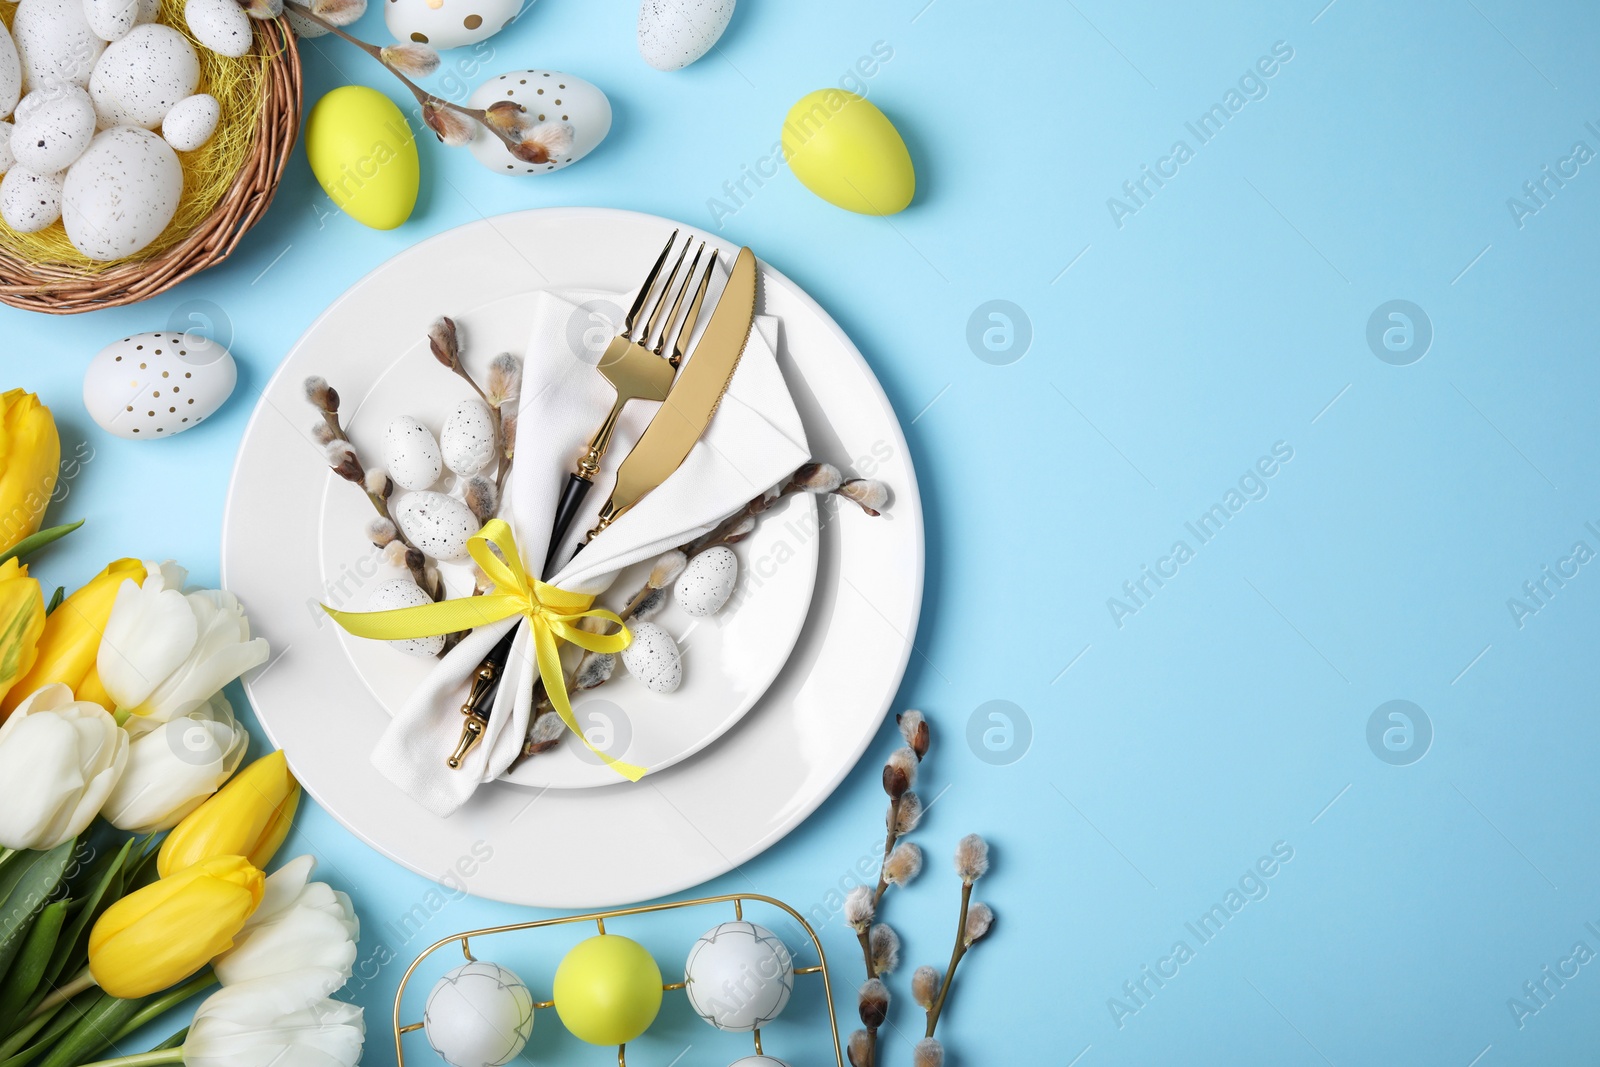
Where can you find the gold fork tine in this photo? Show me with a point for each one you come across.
(649, 283)
(686, 329)
(677, 304)
(661, 301)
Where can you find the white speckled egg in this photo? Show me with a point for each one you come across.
(707, 582)
(448, 23)
(141, 76)
(404, 593)
(220, 25)
(157, 384)
(121, 193)
(675, 33)
(10, 73)
(653, 658)
(467, 440)
(110, 20)
(438, 524)
(549, 96)
(411, 453)
(478, 1015)
(7, 160)
(29, 202)
(54, 43)
(302, 26)
(192, 121)
(53, 126)
(739, 976)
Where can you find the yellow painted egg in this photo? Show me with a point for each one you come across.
(608, 990)
(363, 153)
(845, 150)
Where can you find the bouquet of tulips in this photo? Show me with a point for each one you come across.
(111, 708)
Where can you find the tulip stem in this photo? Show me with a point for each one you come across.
(159, 1006)
(63, 993)
(143, 1059)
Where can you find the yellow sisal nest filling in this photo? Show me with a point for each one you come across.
(239, 85)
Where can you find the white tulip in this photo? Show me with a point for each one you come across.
(302, 936)
(174, 766)
(59, 760)
(245, 1026)
(158, 665)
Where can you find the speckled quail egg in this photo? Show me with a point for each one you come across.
(440, 525)
(52, 127)
(157, 384)
(28, 201)
(478, 1015)
(405, 593)
(192, 121)
(707, 582)
(467, 441)
(142, 76)
(550, 97)
(54, 43)
(121, 193)
(411, 453)
(220, 25)
(653, 658)
(675, 33)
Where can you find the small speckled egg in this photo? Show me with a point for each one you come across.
(191, 122)
(653, 658)
(467, 440)
(7, 160)
(411, 453)
(121, 193)
(53, 126)
(112, 19)
(54, 43)
(141, 76)
(157, 384)
(302, 26)
(220, 25)
(739, 976)
(438, 524)
(404, 593)
(675, 33)
(478, 1015)
(29, 202)
(707, 582)
(448, 23)
(10, 73)
(550, 97)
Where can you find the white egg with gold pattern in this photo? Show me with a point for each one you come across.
(448, 23)
(157, 384)
(550, 97)
(739, 976)
(478, 1015)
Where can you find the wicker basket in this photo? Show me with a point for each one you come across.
(66, 289)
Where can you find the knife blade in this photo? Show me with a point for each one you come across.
(688, 408)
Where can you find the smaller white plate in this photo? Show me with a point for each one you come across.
(729, 659)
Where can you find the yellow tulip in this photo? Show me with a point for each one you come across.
(248, 817)
(71, 638)
(21, 623)
(30, 456)
(157, 936)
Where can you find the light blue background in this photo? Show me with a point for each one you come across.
(1227, 314)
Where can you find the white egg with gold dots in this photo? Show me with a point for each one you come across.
(478, 1015)
(551, 99)
(739, 976)
(448, 23)
(157, 384)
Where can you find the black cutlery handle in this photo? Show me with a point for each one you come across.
(566, 510)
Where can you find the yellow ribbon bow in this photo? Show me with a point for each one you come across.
(552, 613)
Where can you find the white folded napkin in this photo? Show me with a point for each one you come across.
(754, 440)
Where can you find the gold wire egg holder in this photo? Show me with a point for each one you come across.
(738, 900)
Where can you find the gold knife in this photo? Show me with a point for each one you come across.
(688, 408)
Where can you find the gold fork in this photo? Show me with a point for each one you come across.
(637, 368)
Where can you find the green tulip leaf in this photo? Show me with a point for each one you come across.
(16, 994)
(47, 1029)
(34, 542)
(93, 1032)
(105, 887)
(55, 599)
(25, 888)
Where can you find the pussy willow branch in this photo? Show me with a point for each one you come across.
(956, 953)
(425, 98)
(416, 559)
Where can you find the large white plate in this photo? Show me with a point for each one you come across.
(680, 826)
(729, 660)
